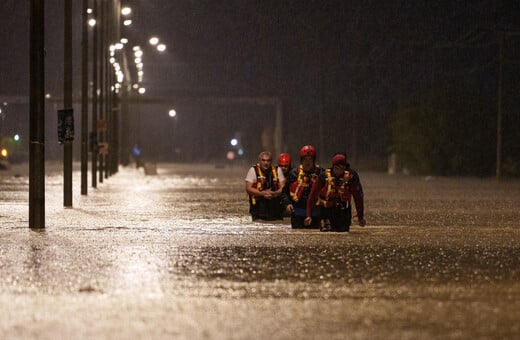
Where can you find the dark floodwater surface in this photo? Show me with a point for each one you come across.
(439, 259)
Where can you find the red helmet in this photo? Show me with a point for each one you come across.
(284, 159)
(308, 150)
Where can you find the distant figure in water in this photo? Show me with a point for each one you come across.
(136, 155)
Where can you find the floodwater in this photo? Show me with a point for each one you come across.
(176, 256)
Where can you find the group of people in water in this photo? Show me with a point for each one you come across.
(313, 197)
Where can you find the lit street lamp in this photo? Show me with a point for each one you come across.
(173, 114)
(154, 41)
(126, 11)
(161, 47)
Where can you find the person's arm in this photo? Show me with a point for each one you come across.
(286, 192)
(251, 190)
(284, 197)
(279, 191)
(357, 192)
(250, 183)
(250, 186)
(311, 200)
(281, 182)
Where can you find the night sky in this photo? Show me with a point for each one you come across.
(344, 64)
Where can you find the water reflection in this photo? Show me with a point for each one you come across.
(137, 269)
(436, 254)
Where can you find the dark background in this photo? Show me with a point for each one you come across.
(343, 66)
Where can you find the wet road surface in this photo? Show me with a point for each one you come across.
(176, 256)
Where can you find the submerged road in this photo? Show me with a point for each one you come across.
(175, 256)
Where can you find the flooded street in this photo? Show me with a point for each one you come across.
(176, 256)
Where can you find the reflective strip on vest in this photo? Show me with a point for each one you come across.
(261, 180)
(303, 181)
(332, 192)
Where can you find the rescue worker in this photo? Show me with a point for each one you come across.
(298, 188)
(333, 191)
(264, 184)
(284, 162)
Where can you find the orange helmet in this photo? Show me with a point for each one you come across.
(308, 150)
(284, 159)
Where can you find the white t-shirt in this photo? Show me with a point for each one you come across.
(251, 175)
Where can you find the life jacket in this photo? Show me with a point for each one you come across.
(261, 180)
(302, 183)
(335, 190)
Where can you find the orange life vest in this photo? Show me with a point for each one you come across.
(261, 180)
(335, 190)
(303, 182)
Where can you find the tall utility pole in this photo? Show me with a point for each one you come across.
(67, 103)
(37, 116)
(95, 57)
(499, 108)
(115, 102)
(84, 97)
(102, 28)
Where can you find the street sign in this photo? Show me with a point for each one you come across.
(103, 148)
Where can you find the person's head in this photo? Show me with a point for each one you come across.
(339, 164)
(265, 158)
(308, 157)
(284, 162)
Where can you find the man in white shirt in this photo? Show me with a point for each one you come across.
(264, 184)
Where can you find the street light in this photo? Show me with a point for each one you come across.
(173, 115)
(154, 41)
(126, 11)
(161, 47)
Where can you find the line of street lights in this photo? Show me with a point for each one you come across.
(104, 20)
(124, 81)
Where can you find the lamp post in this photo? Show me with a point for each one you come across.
(37, 116)
(67, 104)
(95, 87)
(84, 97)
(173, 115)
(125, 90)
